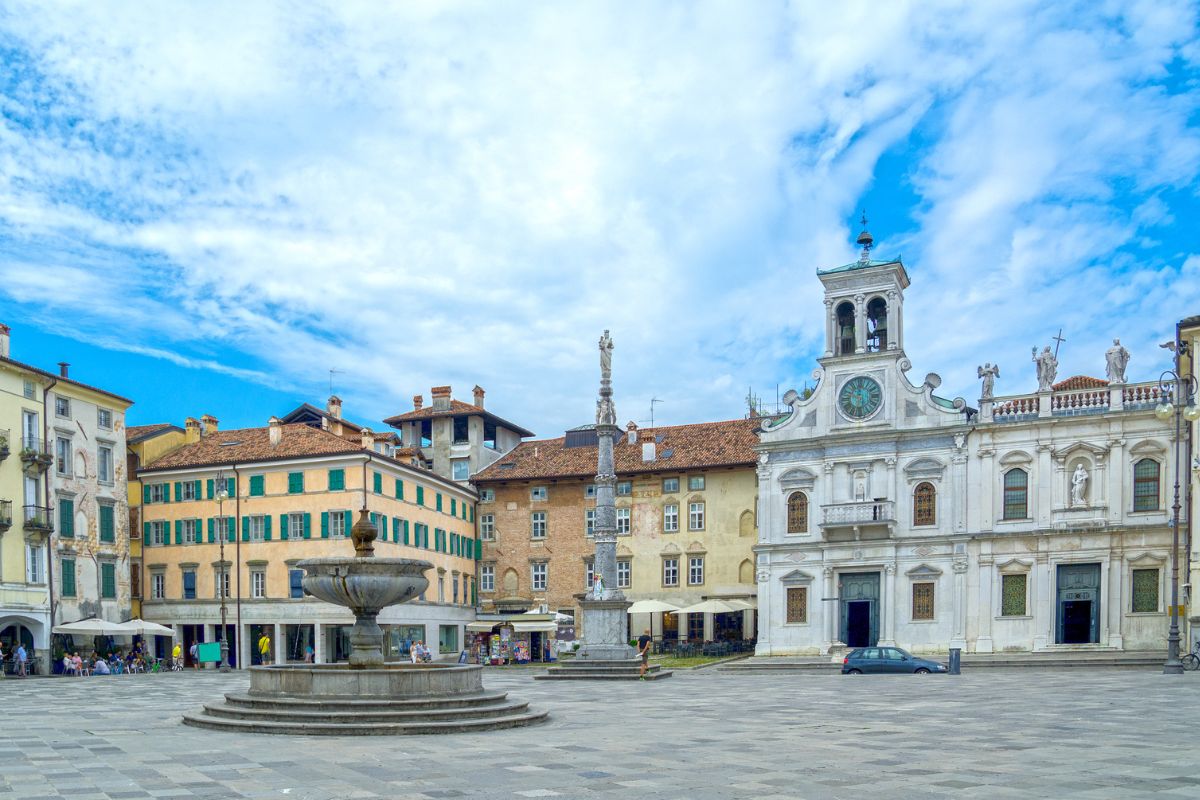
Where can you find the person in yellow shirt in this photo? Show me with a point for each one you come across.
(176, 652)
(264, 649)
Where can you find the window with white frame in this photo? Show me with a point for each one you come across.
(589, 490)
(537, 578)
(296, 526)
(487, 495)
(670, 485)
(62, 406)
(62, 455)
(589, 573)
(104, 419)
(670, 575)
(622, 520)
(624, 488)
(29, 390)
(695, 483)
(487, 527)
(158, 493)
(487, 578)
(589, 520)
(537, 493)
(537, 525)
(670, 518)
(104, 464)
(187, 490)
(158, 532)
(337, 524)
(695, 570)
(258, 584)
(461, 469)
(258, 527)
(220, 581)
(191, 531)
(624, 573)
(158, 586)
(35, 564)
(695, 516)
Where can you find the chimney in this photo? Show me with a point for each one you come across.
(63, 366)
(208, 424)
(368, 439)
(5, 340)
(478, 393)
(276, 431)
(441, 398)
(191, 430)
(334, 406)
(648, 449)
(631, 432)
(418, 402)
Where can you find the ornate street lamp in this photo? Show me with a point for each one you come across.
(1178, 403)
(222, 491)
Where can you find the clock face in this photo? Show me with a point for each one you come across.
(860, 397)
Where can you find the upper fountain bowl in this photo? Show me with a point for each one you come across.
(365, 585)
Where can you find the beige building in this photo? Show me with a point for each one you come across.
(293, 492)
(685, 516)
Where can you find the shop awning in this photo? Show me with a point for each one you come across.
(480, 627)
(535, 627)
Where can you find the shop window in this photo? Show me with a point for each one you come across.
(447, 638)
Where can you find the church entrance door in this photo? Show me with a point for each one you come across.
(859, 594)
(1078, 611)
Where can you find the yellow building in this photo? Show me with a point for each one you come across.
(293, 492)
(685, 516)
(144, 443)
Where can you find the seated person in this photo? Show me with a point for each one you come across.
(77, 664)
(67, 665)
(101, 667)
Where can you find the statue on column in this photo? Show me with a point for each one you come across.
(606, 348)
(989, 372)
(1047, 368)
(1116, 359)
(1079, 480)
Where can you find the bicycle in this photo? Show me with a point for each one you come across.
(1192, 660)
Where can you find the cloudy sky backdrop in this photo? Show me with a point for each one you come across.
(206, 206)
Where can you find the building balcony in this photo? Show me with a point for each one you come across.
(5, 515)
(4, 448)
(38, 519)
(872, 516)
(35, 455)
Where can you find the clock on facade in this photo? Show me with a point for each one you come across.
(860, 397)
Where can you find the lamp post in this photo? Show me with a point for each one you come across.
(222, 492)
(1178, 403)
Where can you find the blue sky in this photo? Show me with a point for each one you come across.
(206, 207)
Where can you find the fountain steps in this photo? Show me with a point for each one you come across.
(500, 709)
(623, 670)
(286, 703)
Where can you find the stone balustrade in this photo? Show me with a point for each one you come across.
(858, 513)
(1071, 402)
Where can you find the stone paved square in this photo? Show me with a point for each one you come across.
(703, 734)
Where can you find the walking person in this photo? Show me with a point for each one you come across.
(1, 660)
(264, 649)
(644, 651)
(176, 657)
(193, 653)
(22, 656)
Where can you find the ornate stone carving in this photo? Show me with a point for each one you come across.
(1079, 482)
(988, 372)
(1047, 368)
(1116, 359)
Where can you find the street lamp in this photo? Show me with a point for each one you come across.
(1178, 393)
(222, 491)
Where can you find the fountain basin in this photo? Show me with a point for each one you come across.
(365, 585)
(392, 681)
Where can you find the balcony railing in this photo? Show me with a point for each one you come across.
(34, 454)
(5, 514)
(38, 518)
(861, 513)
(1075, 402)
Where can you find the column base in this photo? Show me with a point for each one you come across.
(984, 645)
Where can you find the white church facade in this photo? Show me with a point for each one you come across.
(889, 515)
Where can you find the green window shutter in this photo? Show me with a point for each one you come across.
(230, 526)
(438, 501)
(245, 529)
(108, 581)
(178, 531)
(68, 577)
(231, 487)
(108, 527)
(266, 527)
(454, 544)
(212, 530)
(196, 492)
(425, 537)
(208, 489)
(383, 527)
(337, 480)
(178, 491)
(453, 507)
(295, 483)
(283, 527)
(404, 530)
(420, 495)
(324, 524)
(377, 480)
(307, 526)
(346, 522)
(399, 489)
(472, 514)
(396, 530)
(374, 519)
(256, 486)
(145, 494)
(478, 549)
(146, 534)
(66, 519)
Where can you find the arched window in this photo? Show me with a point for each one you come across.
(925, 504)
(1016, 494)
(1145, 485)
(845, 329)
(877, 325)
(797, 513)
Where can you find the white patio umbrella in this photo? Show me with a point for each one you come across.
(91, 627)
(144, 628)
(651, 607)
(744, 605)
(711, 607)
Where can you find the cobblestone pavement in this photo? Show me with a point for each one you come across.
(994, 733)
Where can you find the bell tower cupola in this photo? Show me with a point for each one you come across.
(864, 303)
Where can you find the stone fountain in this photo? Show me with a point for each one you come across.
(366, 696)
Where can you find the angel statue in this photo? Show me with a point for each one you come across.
(989, 372)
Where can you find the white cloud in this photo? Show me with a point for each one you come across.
(462, 193)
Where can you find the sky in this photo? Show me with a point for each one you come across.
(206, 207)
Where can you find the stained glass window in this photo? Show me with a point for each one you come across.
(797, 604)
(1145, 590)
(1012, 595)
(925, 504)
(1016, 495)
(797, 513)
(922, 601)
(1145, 485)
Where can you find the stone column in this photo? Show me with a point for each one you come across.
(710, 624)
(829, 611)
(1044, 489)
(280, 643)
(1043, 603)
(987, 609)
(893, 325)
(1115, 606)
(830, 329)
(958, 489)
(888, 606)
(1116, 483)
(318, 643)
(683, 627)
(860, 323)
(959, 637)
(763, 578)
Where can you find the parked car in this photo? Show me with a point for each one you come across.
(887, 659)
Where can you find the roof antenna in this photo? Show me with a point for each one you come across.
(653, 400)
(333, 372)
(866, 240)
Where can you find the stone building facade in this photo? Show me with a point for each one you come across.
(891, 515)
(685, 514)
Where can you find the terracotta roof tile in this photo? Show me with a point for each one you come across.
(457, 407)
(135, 433)
(254, 444)
(678, 447)
(1079, 382)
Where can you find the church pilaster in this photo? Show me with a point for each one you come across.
(860, 323)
